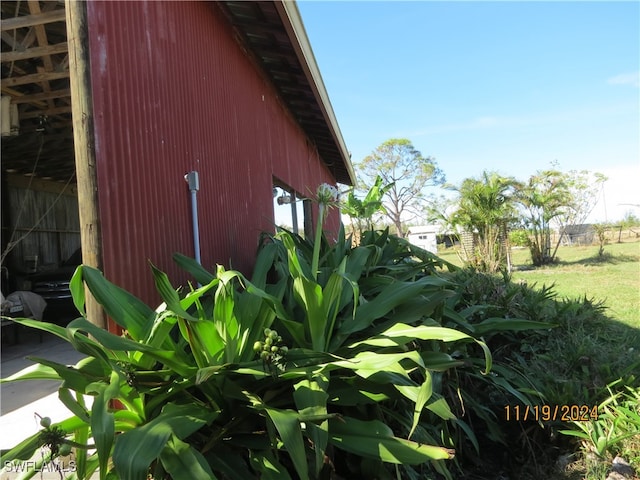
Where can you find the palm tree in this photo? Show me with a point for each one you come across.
(485, 207)
(544, 197)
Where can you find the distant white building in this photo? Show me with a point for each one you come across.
(424, 236)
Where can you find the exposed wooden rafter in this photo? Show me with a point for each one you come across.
(35, 52)
(31, 20)
(35, 74)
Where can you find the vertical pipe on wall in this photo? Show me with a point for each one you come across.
(84, 141)
(194, 185)
(294, 211)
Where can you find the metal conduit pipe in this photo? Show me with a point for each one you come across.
(194, 185)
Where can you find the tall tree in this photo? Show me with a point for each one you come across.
(486, 206)
(552, 198)
(544, 197)
(408, 172)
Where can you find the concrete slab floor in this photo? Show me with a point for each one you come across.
(20, 401)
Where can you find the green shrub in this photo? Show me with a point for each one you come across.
(519, 238)
(365, 363)
(618, 419)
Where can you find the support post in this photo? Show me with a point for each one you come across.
(83, 139)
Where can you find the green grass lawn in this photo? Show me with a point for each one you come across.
(614, 279)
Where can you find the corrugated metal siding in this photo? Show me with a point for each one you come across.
(173, 92)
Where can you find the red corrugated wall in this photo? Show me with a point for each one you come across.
(173, 91)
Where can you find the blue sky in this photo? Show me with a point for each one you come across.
(504, 86)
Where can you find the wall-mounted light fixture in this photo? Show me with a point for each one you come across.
(284, 199)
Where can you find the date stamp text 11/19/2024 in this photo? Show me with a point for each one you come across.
(551, 413)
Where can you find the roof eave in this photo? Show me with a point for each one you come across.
(292, 21)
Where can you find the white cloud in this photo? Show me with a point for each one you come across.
(632, 79)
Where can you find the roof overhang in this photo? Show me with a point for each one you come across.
(35, 74)
(275, 34)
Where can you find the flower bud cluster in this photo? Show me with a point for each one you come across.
(271, 348)
(327, 194)
(54, 437)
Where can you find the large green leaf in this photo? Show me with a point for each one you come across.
(401, 334)
(331, 298)
(268, 466)
(24, 450)
(439, 361)
(374, 439)
(44, 326)
(491, 325)
(311, 397)
(224, 316)
(201, 274)
(33, 372)
(169, 294)
(77, 408)
(183, 462)
(424, 394)
(288, 426)
(394, 294)
(76, 287)
(136, 449)
(125, 309)
(171, 359)
(103, 423)
(81, 436)
(379, 362)
(71, 377)
(309, 295)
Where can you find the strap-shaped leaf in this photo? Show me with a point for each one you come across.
(125, 309)
(33, 372)
(52, 328)
(78, 409)
(81, 436)
(268, 466)
(496, 324)
(183, 462)
(136, 449)
(374, 439)
(76, 287)
(103, 423)
(110, 341)
(72, 378)
(311, 397)
(394, 294)
(288, 427)
(169, 294)
(401, 334)
(424, 394)
(202, 275)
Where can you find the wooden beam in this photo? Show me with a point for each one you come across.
(47, 111)
(34, 52)
(11, 92)
(30, 20)
(20, 181)
(84, 140)
(39, 97)
(43, 41)
(33, 78)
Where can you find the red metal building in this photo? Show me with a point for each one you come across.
(228, 89)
